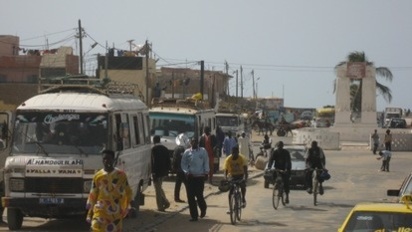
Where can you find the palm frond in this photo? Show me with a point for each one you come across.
(384, 72)
(385, 91)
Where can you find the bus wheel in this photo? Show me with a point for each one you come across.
(14, 218)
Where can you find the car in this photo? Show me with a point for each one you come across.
(306, 115)
(380, 217)
(396, 123)
(406, 188)
(297, 175)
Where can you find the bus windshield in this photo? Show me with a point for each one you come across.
(60, 133)
(168, 124)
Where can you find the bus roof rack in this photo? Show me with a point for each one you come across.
(185, 103)
(85, 85)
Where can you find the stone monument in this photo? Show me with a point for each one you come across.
(349, 129)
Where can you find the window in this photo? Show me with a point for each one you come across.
(60, 133)
(136, 130)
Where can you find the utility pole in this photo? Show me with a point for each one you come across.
(173, 84)
(80, 47)
(237, 83)
(106, 62)
(147, 73)
(241, 81)
(202, 76)
(130, 44)
(253, 84)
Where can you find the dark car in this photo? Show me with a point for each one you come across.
(405, 189)
(297, 177)
(396, 123)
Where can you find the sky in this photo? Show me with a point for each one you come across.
(291, 46)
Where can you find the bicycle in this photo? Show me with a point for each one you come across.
(235, 200)
(315, 184)
(278, 194)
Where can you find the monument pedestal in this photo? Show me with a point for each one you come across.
(359, 132)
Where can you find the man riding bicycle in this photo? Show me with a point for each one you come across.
(283, 162)
(315, 158)
(236, 167)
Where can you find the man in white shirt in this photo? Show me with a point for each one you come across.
(244, 146)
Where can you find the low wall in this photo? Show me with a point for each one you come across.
(331, 140)
(326, 139)
(401, 140)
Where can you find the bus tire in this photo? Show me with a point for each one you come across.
(14, 218)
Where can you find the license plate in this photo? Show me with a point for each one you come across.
(48, 201)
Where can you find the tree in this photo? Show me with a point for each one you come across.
(356, 85)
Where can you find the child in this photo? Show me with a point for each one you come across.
(385, 155)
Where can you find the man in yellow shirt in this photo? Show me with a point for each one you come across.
(236, 167)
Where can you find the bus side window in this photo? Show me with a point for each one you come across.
(136, 130)
(146, 121)
(126, 133)
(118, 135)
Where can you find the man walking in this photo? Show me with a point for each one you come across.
(208, 141)
(375, 140)
(245, 147)
(110, 186)
(195, 165)
(160, 169)
(182, 144)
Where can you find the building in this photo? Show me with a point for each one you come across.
(20, 69)
(184, 82)
(129, 67)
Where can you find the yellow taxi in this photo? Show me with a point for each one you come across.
(380, 217)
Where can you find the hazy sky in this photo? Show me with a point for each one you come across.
(291, 45)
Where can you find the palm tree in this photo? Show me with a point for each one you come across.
(356, 85)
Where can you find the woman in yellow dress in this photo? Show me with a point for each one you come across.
(109, 197)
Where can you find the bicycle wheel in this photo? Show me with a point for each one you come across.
(315, 192)
(282, 195)
(232, 205)
(239, 206)
(275, 196)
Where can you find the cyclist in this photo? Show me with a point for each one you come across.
(236, 166)
(283, 162)
(315, 158)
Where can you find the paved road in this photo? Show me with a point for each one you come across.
(355, 178)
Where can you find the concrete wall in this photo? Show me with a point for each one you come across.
(331, 140)
(326, 139)
(401, 140)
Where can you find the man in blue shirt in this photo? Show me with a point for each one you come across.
(228, 143)
(195, 165)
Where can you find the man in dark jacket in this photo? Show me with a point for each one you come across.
(315, 158)
(183, 143)
(283, 162)
(160, 169)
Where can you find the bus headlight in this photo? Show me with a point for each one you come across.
(87, 185)
(16, 185)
